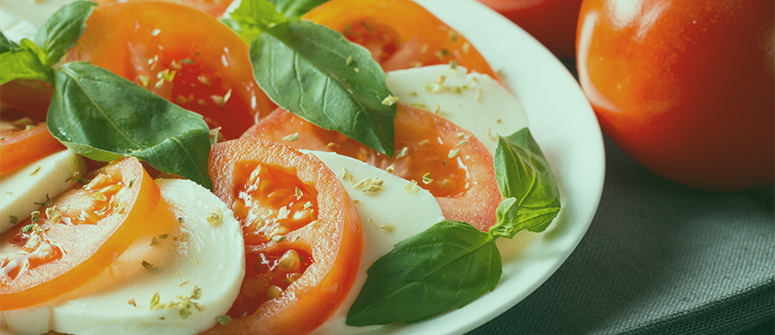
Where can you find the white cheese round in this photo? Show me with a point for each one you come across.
(388, 216)
(20, 190)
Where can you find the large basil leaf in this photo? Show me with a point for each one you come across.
(253, 17)
(293, 9)
(532, 199)
(445, 267)
(63, 29)
(104, 117)
(316, 73)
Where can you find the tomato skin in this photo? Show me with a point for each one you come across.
(687, 88)
(335, 239)
(402, 28)
(21, 147)
(215, 8)
(551, 22)
(84, 248)
(474, 196)
(208, 69)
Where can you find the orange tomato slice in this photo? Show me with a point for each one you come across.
(72, 239)
(400, 34)
(22, 144)
(303, 236)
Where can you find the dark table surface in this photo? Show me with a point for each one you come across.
(659, 258)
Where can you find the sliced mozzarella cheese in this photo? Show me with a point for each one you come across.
(388, 216)
(195, 253)
(22, 189)
(476, 101)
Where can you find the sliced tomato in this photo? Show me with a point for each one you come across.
(303, 236)
(72, 239)
(24, 141)
(400, 34)
(179, 53)
(441, 157)
(30, 96)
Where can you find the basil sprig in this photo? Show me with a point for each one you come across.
(33, 60)
(317, 74)
(452, 263)
(105, 117)
(294, 9)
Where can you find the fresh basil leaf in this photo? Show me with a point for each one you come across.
(253, 17)
(317, 74)
(23, 64)
(294, 9)
(103, 117)
(6, 44)
(63, 29)
(532, 199)
(445, 267)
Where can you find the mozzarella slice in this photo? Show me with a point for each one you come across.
(475, 100)
(22, 189)
(196, 253)
(388, 217)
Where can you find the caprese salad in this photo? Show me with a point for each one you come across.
(261, 167)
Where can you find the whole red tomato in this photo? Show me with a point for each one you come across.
(552, 22)
(687, 88)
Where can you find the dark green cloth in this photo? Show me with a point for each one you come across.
(658, 258)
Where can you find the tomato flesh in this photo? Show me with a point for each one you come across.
(24, 141)
(303, 237)
(76, 235)
(188, 58)
(400, 34)
(438, 155)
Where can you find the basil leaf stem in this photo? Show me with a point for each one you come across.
(104, 117)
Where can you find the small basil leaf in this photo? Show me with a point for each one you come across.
(63, 29)
(532, 199)
(445, 267)
(293, 9)
(317, 74)
(103, 117)
(253, 17)
(23, 64)
(6, 44)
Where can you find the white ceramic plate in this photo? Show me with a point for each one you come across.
(562, 123)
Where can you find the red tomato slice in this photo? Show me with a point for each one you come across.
(22, 143)
(459, 168)
(400, 34)
(179, 53)
(29, 96)
(75, 237)
(303, 236)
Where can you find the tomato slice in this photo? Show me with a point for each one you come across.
(400, 34)
(77, 235)
(303, 236)
(24, 141)
(30, 96)
(179, 53)
(441, 157)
